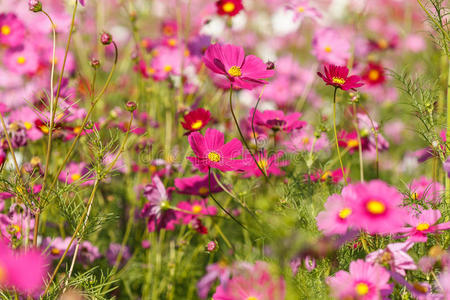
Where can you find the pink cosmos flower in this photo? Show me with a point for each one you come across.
(212, 152)
(76, 173)
(335, 218)
(197, 209)
(375, 207)
(337, 76)
(157, 209)
(365, 281)
(334, 176)
(305, 140)
(396, 256)
(426, 189)
(302, 9)
(197, 185)
(270, 164)
(23, 271)
(245, 72)
(27, 117)
(251, 282)
(331, 47)
(24, 61)
(55, 247)
(420, 225)
(444, 284)
(277, 120)
(12, 30)
(218, 270)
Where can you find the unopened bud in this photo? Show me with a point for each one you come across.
(95, 63)
(212, 246)
(270, 65)
(35, 5)
(106, 38)
(131, 106)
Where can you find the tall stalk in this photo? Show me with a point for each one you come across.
(335, 136)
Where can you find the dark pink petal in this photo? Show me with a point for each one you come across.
(232, 149)
(255, 68)
(198, 144)
(214, 139)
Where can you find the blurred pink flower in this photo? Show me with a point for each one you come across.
(335, 218)
(22, 61)
(12, 30)
(426, 190)
(396, 256)
(331, 47)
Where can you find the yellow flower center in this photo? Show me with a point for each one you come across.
(16, 228)
(414, 196)
(263, 163)
(376, 207)
(167, 68)
(172, 42)
(383, 44)
(228, 7)
(252, 298)
(338, 80)
(352, 143)
(151, 71)
(55, 251)
(21, 60)
(305, 140)
(423, 226)
(203, 190)
(300, 9)
(2, 274)
(28, 125)
(6, 30)
(362, 289)
(196, 209)
(77, 129)
(326, 175)
(75, 177)
(44, 129)
(345, 212)
(168, 30)
(327, 49)
(214, 156)
(197, 124)
(374, 75)
(235, 71)
(420, 288)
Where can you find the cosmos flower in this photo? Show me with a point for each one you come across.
(349, 140)
(197, 185)
(55, 247)
(229, 7)
(306, 140)
(212, 152)
(302, 9)
(394, 255)
(196, 119)
(337, 76)
(251, 282)
(335, 218)
(276, 120)
(27, 117)
(423, 223)
(363, 281)
(374, 74)
(270, 164)
(24, 61)
(76, 173)
(426, 190)
(114, 250)
(375, 207)
(242, 71)
(197, 208)
(331, 47)
(157, 209)
(215, 271)
(334, 176)
(12, 30)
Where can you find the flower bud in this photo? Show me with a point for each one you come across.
(106, 38)
(270, 65)
(95, 63)
(212, 246)
(35, 5)
(131, 106)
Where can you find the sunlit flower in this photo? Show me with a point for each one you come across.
(337, 76)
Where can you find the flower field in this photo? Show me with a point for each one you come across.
(225, 149)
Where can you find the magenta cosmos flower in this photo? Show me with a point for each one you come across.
(196, 119)
(246, 72)
(197, 185)
(302, 9)
(337, 76)
(422, 224)
(229, 7)
(375, 207)
(12, 30)
(269, 163)
(426, 190)
(212, 152)
(277, 120)
(335, 218)
(24, 61)
(365, 281)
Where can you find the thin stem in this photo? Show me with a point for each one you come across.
(253, 117)
(220, 205)
(11, 149)
(355, 122)
(447, 179)
(242, 136)
(443, 31)
(336, 138)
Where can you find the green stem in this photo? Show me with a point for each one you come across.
(355, 122)
(447, 179)
(335, 136)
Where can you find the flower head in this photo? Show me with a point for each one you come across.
(12, 30)
(270, 164)
(375, 207)
(229, 7)
(242, 71)
(212, 152)
(374, 74)
(396, 256)
(277, 120)
(420, 225)
(302, 9)
(196, 119)
(337, 76)
(197, 185)
(335, 218)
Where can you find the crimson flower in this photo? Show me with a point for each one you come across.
(337, 76)
(229, 7)
(196, 119)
